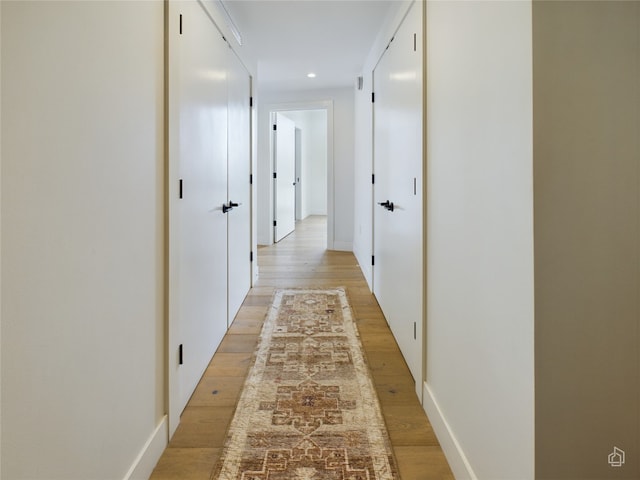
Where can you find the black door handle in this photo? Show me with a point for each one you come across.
(226, 208)
(388, 205)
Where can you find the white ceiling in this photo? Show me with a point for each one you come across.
(287, 39)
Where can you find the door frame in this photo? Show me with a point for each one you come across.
(283, 164)
(326, 105)
(298, 169)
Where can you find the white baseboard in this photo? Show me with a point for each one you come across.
(343, 246)
(452, 450)
(151, 452)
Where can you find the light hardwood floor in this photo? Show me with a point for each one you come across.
(301, 260)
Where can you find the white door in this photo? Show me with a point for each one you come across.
(284, 176)
(203, 170)
(239, 196)
(398, 212)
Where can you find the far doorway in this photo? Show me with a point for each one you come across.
(301, 160)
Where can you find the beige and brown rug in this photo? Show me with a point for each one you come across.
(308, 410)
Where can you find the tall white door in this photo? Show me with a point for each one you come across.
(203, 170)
(239, 196)
(284, 176)
(398, 213)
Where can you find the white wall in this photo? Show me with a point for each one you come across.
(82, 250)
(480, 236)
(343, 147)
(314, 147)
(313, 127)
(343, 125)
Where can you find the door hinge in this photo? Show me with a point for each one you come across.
(251, 179)
(373, 178)
(180, 188)
(275, 224)
(251, 101)
(251, 256)
(180, 358)
(373, 260)
(180, 24)
(373, 97)
(275, 127)
(275, 174)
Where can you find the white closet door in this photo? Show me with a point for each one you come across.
(398, 234)
(203, 170)
(285, 181)
(239, 164)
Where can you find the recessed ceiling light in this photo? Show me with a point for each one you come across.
(311, 75)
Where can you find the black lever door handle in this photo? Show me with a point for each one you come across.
(388, 205)
(226, 208)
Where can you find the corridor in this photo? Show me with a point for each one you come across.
(300, 260)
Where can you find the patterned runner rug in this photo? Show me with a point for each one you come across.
(308, 409)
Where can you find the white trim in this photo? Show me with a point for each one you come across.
(458, 462)
(147, 459)
(217, 11)
(230, 23)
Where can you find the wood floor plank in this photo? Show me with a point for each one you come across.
(225, 364)
(395, 390)
(422, 463)
(378, 342)
(258, 300)
(199, 435)
(387, 365)
(186, 464)
(408, 425)
(238, 343)
(246, 327)
(216, 392)
(202, 427)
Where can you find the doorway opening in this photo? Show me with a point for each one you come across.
(302, 166)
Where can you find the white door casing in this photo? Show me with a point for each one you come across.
(298, 174)
(284, 176)
(398, 168)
